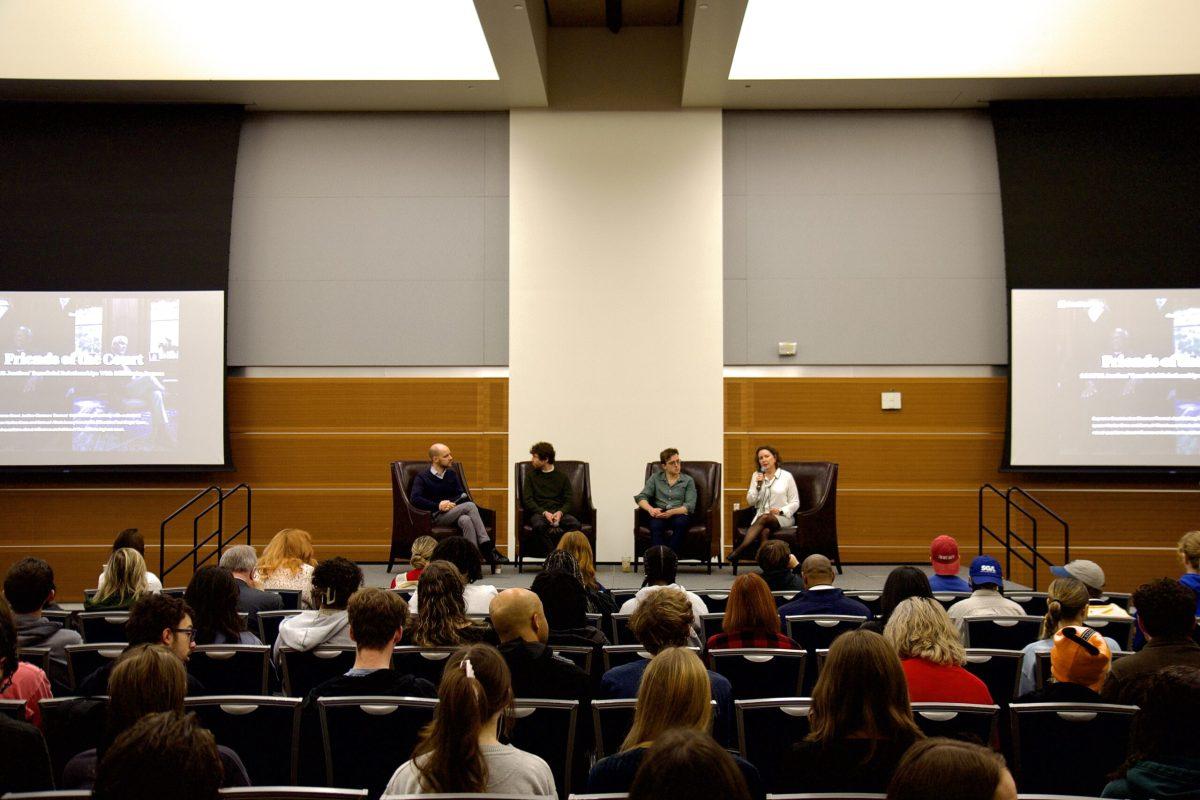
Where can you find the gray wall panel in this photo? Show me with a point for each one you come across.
(866, 237)
(370, 239)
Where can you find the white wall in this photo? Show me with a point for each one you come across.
(615, 295)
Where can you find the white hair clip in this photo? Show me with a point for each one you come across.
(469, 669)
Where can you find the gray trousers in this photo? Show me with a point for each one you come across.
(466, 515)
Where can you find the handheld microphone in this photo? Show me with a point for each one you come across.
(760, 477)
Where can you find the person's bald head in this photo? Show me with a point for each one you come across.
(517, 614)
(816, 570)
(436, 450)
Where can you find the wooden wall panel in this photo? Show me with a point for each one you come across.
(316, 451)
(907, 476)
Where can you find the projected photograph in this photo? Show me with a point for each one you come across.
(95, 379)
(1106, 378)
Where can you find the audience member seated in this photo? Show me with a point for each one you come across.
(460, 751)
(901, 584)
(664, 620)
(1166, 616)
(477, 597)
(154, 619)
(778, 565)
(1079, 663)
(675, 692)
(443, 619)
(545, 497)
(161, 755)
(241, 561)
(24, 759)
(932, 654)
(124, 582)
(599, 599)
(987, 598)
(949, 768)
(1066, 607)
(943, 557)
(820, 596)
(1189, 558)
(333, 581)
(29, 588)
(688, 763)
(288, 562)
(861, 721)
(1091, 576)
(1164, 757)
(565, 605)
(132, 539)
(661, 564)
(750, 617)
(523, 632)
(146, 679)
(19, 680)
(212, 595)
(669, 497)
(439, 491)
(419, 557)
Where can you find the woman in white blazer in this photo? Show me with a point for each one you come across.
(773, 495)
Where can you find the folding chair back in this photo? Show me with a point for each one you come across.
(1002, 633)
(547, 728)
(966, 721)
(767, 728)
(103, 626)
(1091, 737)
(357, 731)
(269, 622)
(755, 672)
(84, 659)
(302, 670)
(422, 662)
(999, 669)
(264, 731)
(232, 669)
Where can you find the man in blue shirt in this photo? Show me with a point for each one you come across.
(439, 491)
(943, 555)
(819, 595)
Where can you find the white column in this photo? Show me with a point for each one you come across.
(615, 296)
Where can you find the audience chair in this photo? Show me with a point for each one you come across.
(291, 793)
(421, 662)
(868, 599)
(616, 655)
(817, 631)
(1092, 738)
(546, 728)
(611, 722)
(838, 796)
(59, 794)
(38, 656)
(264, 731)
(766, 730)
(304, 670)
(103, 626)
(175, 591)
(410, 522)
(581, 656)
(84, 659)
(71, 725)
(711, 625)
(621, 596)
(816, 521)
(1002, 633)
(621, 633)
(1042, 674)
(90, 594)
(1034, 603)
(582, 509)
(756, 672)
(1119, 630)
(269, 622)
(702, 542)
(65, 618)
(232, 668)
(783, 598)
(999, 669)
(948, 599)
(367, 738)
(13, 709)
(290, 597)
(1121, 599)
(715, 602)
(972, 723)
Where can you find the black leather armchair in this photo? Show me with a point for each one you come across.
(703, 540)
(816, 521)
(410, 522)
(579, 473)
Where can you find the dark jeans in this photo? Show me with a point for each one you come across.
(542, 541)
(677, 525)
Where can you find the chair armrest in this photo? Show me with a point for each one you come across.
(743, 517)
(486, 514)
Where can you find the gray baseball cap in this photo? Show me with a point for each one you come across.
(1083, 570)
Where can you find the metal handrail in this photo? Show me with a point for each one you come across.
(218, 534)
(1011, 505)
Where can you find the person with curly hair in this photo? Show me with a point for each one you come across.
(1166, 615)
(477, 597)
(1164, 760)
(333, 582)
(443, 619)
(288, 562)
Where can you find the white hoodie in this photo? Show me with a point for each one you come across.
(698, 607)
(311, 629)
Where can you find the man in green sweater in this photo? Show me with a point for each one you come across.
(546, 497)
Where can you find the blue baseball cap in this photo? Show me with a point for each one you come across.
(985, 569)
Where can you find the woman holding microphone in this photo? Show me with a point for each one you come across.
(773, 495)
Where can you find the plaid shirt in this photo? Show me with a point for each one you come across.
(747, 638)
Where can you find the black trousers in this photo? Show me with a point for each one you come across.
(543, 539)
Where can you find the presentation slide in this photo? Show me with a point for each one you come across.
(1105, 378)
(112, 379)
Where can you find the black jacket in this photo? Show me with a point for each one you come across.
(24, 760)
(253, 600)
(537, 672)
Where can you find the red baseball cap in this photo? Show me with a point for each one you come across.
(943, 554)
